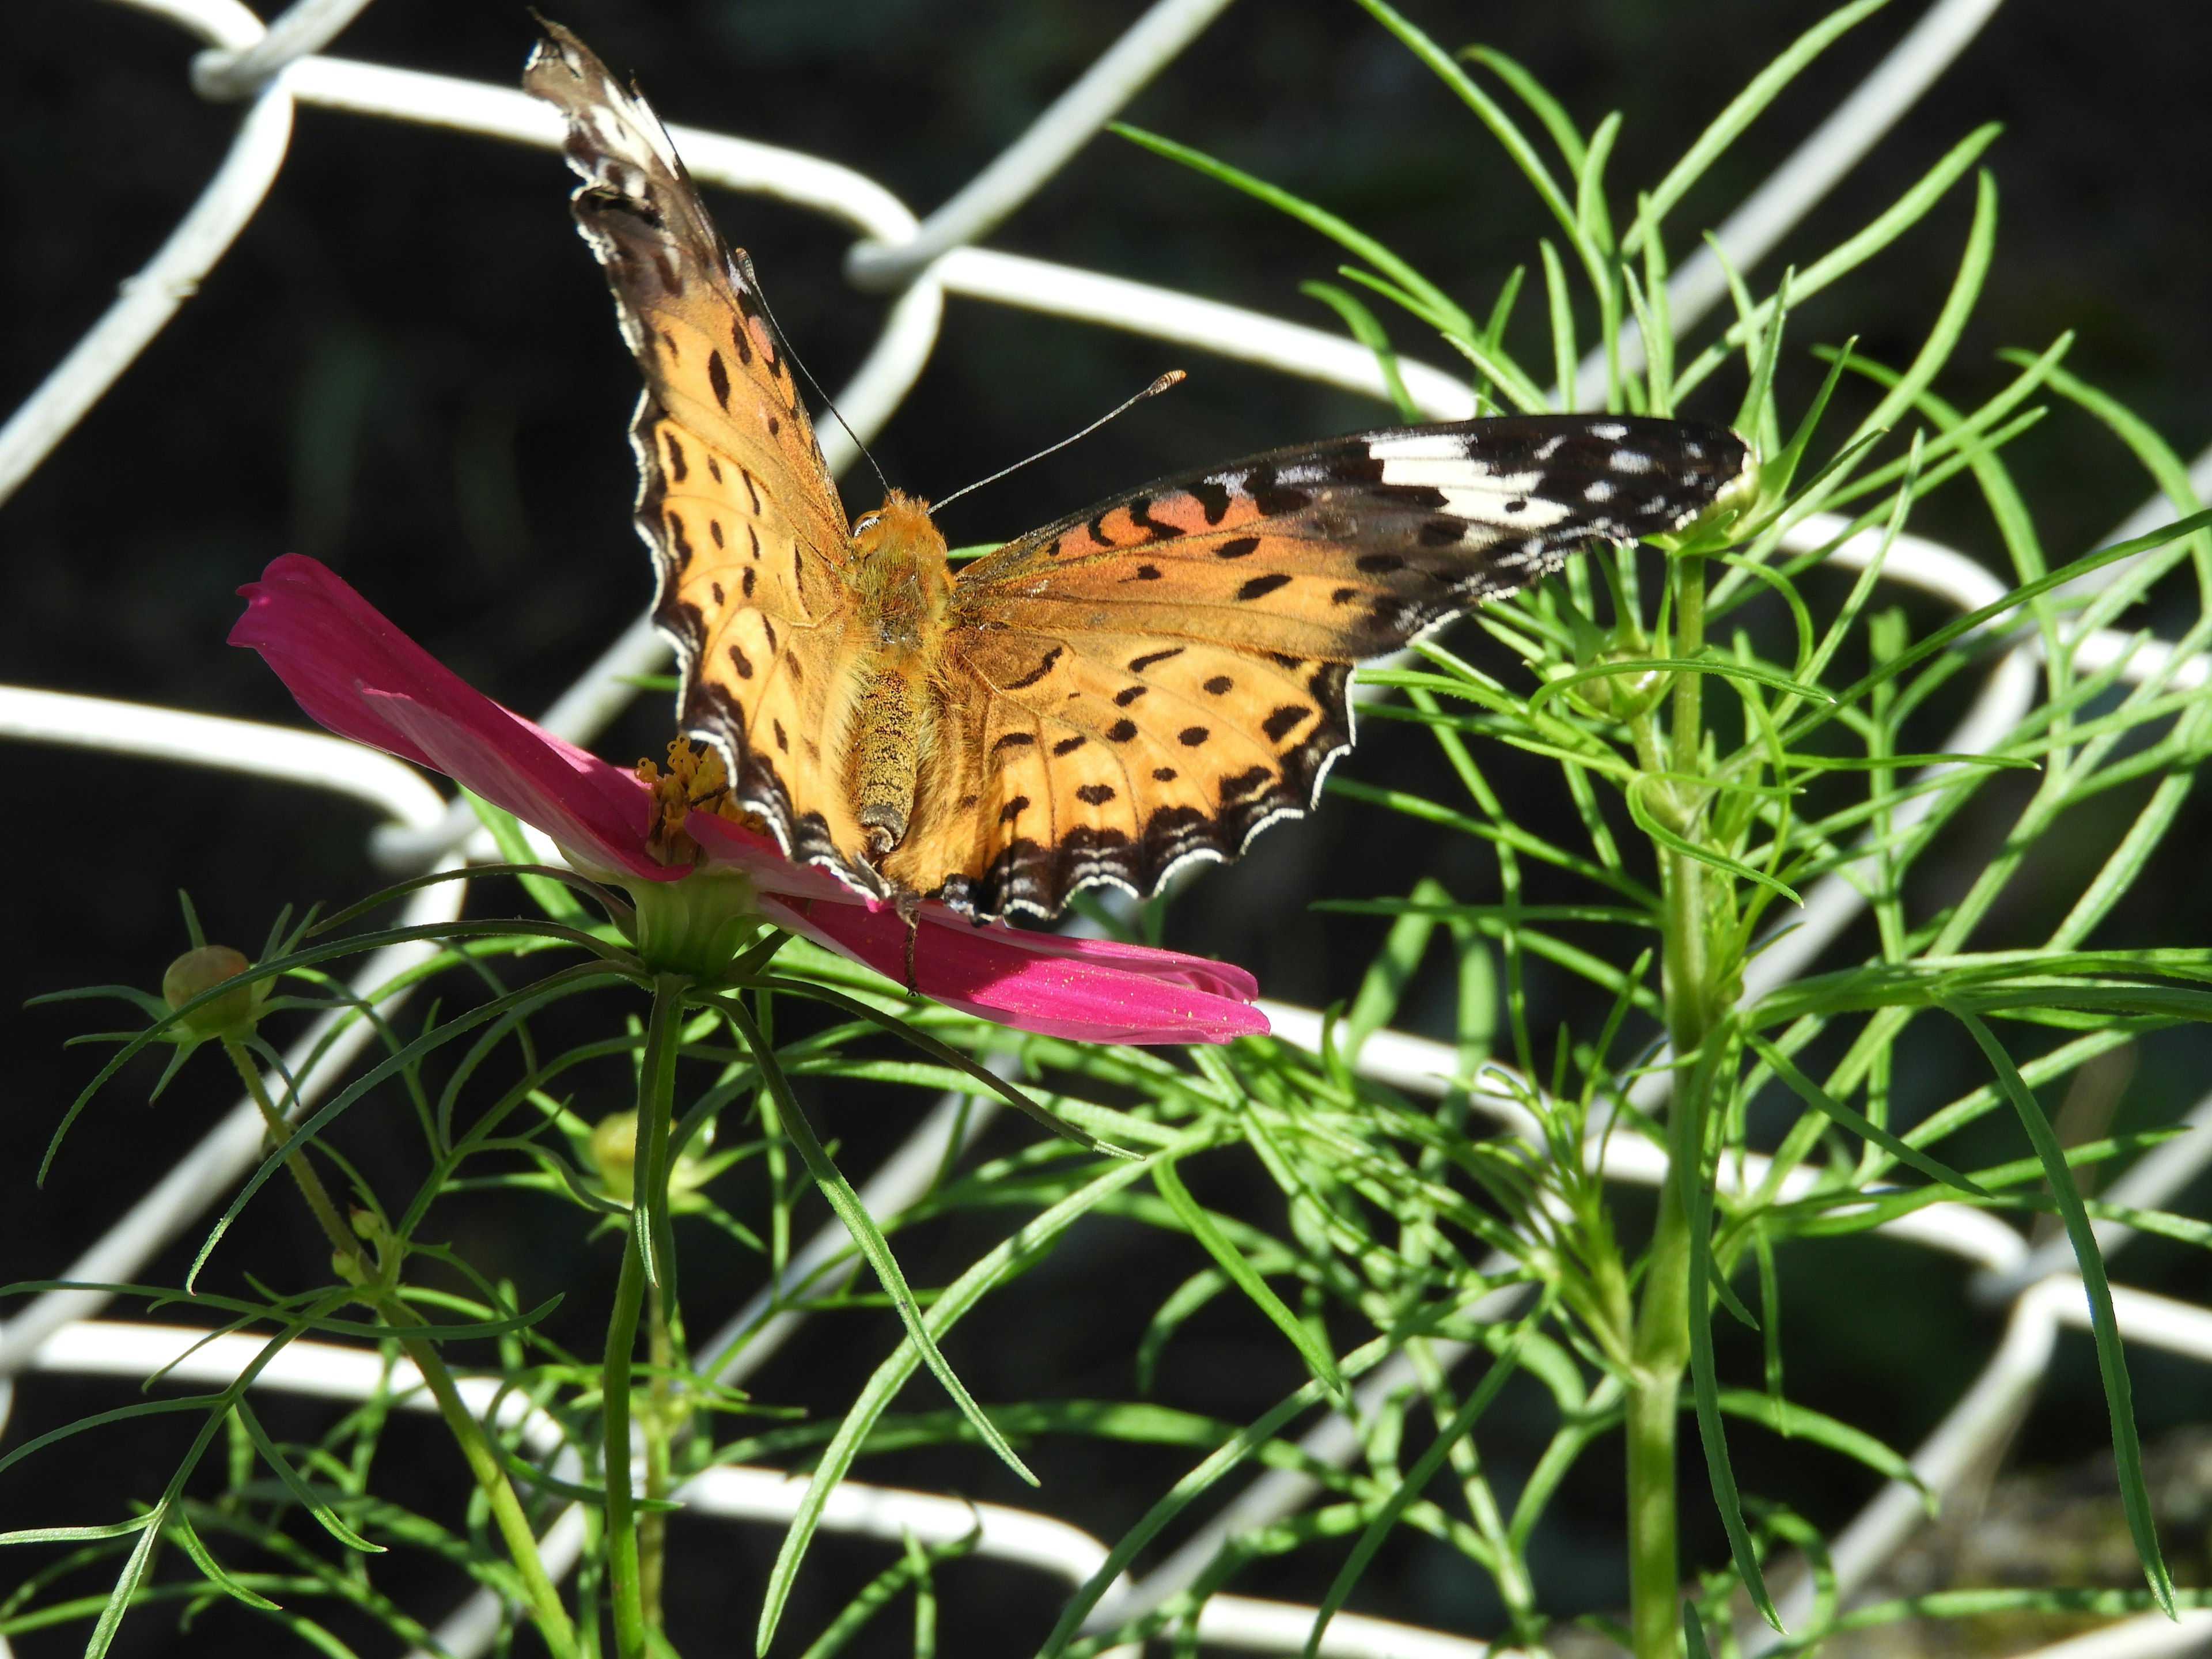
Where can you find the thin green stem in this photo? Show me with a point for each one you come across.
(1654, 1571)
(1661, 1347)
(343, 1244)
(652, 1527)
(553, 1622)
(647, 1257)
(622, 1565)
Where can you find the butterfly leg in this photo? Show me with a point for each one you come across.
(910, 911)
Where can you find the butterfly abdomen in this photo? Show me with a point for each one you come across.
(884, 762)
(901, 584)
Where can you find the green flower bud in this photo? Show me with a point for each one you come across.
(231, 1015)
(1624, 695)
(614, 1155)
(614, 1152)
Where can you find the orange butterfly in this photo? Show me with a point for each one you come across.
(1103, 701)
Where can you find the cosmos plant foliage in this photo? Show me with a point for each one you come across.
(1732, 727)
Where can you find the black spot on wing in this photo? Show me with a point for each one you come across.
(1155, 529)
(1043, 668)
(1212, 498)
(1260, 586)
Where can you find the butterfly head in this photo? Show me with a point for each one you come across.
(903, 522)
(900, 572)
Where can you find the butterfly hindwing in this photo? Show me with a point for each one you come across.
(748, 534)
(1110, 757)
(1197, 635)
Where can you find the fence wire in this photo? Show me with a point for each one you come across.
(273, 68)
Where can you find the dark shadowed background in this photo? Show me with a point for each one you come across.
(407, 368)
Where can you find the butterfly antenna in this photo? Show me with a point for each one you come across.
(1173, 377)
(752, 280)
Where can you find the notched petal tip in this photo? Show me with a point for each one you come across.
(356, 674)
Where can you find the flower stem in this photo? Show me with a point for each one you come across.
(553, 1622)
(1661, 1353)
(622, 1506)
(648, 1246)
(653, 1526)
(343, 1244)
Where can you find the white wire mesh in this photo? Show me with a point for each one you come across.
(276, 66)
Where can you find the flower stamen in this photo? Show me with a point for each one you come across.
(696, 781)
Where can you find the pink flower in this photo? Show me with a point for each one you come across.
(356, 673)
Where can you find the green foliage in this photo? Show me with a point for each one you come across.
(1717, 781)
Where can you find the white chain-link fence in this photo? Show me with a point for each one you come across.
(271, 69)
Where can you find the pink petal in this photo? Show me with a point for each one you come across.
(735, 846)
(1032, 981)
(356, 673)
(1200, 973)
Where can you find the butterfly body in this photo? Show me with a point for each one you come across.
(902, 584)
(1148, 683)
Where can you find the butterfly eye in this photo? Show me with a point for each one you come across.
(865, 523)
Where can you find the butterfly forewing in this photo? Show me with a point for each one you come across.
(1195, 636)
(1349, 548)
(734, 497)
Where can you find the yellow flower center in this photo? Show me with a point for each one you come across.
(696, 781)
